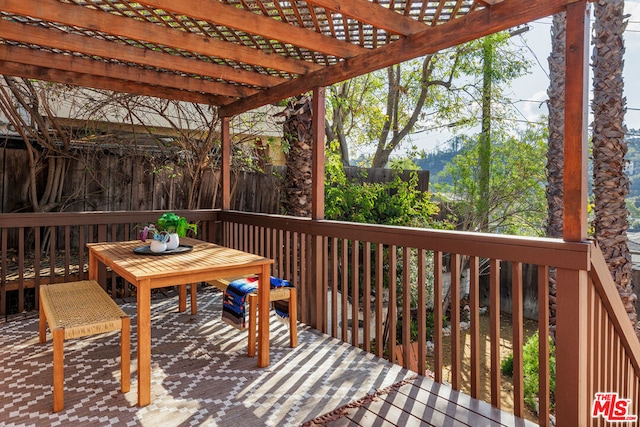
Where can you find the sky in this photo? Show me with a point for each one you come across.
(529, 92)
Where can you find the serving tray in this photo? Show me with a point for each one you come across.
(146, 250)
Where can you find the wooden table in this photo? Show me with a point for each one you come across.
(205, 262)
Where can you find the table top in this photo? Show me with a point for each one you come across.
(207, 261)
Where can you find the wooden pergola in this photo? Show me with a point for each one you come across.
(242, 54)
(238, 55)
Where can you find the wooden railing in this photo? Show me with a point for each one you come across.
(613, 348)
(40, 248)
(343, 272)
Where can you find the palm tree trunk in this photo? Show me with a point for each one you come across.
(555, 151)
(610, 181)
(298, 137)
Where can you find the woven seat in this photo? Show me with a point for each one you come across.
(277, 294)
(77, 309)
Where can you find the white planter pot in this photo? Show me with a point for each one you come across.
(173, 242)
(157, 246)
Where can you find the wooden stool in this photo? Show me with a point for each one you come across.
(77, 309)
(277, 294)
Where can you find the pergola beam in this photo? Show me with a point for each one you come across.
(374, 14)
(229, 16)
(97, 82)
(29, 34)
(121, 72)
(487, 21)
(108, 23)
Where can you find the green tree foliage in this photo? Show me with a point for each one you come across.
(516, 199)
(633, 170)
(383, 108)
(507, 63)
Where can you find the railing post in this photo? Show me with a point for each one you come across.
(225, 164)
(316, 302)
(571, 348)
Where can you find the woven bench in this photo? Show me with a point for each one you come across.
(278, 294)
(78, 309)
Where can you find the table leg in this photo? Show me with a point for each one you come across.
(193, 288)
(182, 298)
(144, 344)
(264, 288)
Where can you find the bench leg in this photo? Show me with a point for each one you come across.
(253, 311)
(42, 325)
(293, 318)
(58, 370)
(125, 355)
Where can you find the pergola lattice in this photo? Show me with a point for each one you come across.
(236, 54)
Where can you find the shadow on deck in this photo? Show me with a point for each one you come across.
(202, 376)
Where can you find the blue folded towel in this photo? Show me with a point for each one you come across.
(235, 297)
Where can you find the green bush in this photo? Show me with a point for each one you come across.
(391, 203)
(414, 327)
(530, 369)
(506, 367)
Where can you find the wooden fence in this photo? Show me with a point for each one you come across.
(386, 175)
(111, 181)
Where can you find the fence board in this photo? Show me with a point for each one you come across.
(142, 185)
(94, 198)
(371, 175)
(3, 181)
(13, 176)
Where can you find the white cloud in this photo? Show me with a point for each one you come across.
(632, 7)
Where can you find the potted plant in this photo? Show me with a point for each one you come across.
(177, 226)
(159, 239)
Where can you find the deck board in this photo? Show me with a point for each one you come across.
(425, 403)
(202, 376)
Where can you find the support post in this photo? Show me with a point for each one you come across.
(225, 164)
(317, 160)
(575, 123)
(572, 401)
(317, 310)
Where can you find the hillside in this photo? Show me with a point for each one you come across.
(435, 163)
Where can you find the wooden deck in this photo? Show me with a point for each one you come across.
(201, 376)
(419, 402)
